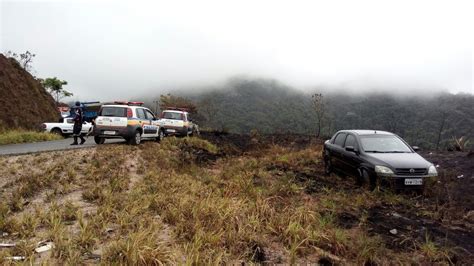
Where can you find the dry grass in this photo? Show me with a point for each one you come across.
(250, 208)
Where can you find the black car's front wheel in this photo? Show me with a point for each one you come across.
(367, 180)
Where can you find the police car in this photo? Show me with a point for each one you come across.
(176, 121)
(128, 120)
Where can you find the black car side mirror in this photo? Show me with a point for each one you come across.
(415, 148)
(351, 149)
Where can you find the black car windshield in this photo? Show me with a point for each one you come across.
(172, 115)
(384, 144)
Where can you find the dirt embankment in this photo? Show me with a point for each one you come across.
(24, 103)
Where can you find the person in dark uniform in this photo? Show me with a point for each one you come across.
(78, 120)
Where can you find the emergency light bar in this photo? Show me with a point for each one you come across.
(183, 109)
(129, 103)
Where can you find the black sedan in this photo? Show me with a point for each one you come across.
(376, 157)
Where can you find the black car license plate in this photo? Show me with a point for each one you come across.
(413, 181)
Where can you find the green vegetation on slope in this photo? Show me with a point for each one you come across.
(23, 136)
(242, 105)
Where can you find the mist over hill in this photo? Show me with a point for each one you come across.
(268, 106)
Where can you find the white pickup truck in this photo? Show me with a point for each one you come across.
(65, 128)
(177, 122)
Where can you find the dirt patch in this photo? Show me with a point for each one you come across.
(346, 220)
(455, 163)
(197, 155)
(455, 182)
(402, 230)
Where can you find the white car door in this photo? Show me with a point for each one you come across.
(153, 127)
(68, 125)
(144, 122)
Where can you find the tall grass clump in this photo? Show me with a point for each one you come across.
(22, 136)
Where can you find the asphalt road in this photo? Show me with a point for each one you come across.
(55, 145)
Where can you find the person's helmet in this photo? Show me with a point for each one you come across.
(78, 103)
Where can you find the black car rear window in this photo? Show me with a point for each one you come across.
(340, 138)
(114, 111)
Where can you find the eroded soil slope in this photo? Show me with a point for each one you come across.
(24, 103)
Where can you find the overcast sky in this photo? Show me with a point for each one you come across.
(108, 48)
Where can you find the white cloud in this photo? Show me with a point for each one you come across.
(125, 47)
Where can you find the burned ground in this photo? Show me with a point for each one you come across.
(225, 198)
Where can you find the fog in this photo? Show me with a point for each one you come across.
(110, 49)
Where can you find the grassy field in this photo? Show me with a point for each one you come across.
(189, 201)
(22, 136)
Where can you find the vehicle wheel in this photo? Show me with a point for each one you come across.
(195, 131)
(327, 166)
(161, 136)
(57, 131)
(99, 140)
(366, 180)
(136, 139)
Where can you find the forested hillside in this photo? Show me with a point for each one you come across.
(268, 106)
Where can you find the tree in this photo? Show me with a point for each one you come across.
(208, 108)
(170, 101)
(443, 117)
(25, 59)
(319, 107)
(55, 88)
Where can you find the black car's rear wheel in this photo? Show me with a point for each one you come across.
(327, 166)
